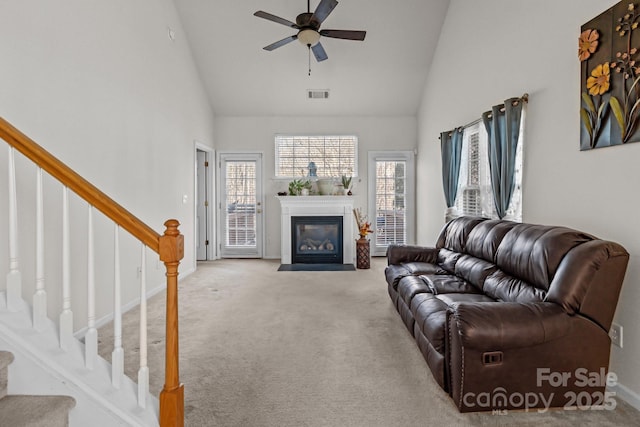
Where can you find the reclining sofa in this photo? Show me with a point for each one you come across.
(510, 315)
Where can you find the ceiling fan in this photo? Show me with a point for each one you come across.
(309, 32)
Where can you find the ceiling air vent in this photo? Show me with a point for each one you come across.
(318, 93)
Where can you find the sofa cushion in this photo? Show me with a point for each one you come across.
(447, 260)
(444, 284)
(455, 233)
(454, 298)
(474, 270)
(485, 238)
(419, 268)
(430, 314)
(409, 286)
(504, 287)
(533, 252)
(395, 272)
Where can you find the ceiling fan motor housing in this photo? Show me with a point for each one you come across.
(304, 20)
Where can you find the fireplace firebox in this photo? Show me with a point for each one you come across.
(316, 240)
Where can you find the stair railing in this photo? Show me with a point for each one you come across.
(169, 247)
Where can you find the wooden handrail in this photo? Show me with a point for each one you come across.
(79, 185)
(170, 248)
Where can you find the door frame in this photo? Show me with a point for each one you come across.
(259, 198)
(212, 252)
(410, 200)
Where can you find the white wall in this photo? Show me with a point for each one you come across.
(102, 87)
(257, 134)
(495, 49)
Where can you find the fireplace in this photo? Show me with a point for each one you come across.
(317, 207)
(316, 240)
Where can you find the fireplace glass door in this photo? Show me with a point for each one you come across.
(316, 240)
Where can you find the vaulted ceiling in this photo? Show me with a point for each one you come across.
(383, 75)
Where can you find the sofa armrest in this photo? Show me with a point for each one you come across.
(498, 348)
(490, 326)
(397, 254)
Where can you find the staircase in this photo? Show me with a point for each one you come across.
(49, 357)
(30, 410)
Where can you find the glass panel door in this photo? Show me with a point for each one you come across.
(241, 206)
(391, 190)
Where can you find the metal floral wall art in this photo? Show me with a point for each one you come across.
(610, 78)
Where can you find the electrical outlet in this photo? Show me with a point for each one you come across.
(616, 334)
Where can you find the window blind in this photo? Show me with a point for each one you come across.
(333, 155)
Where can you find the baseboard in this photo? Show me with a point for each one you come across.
(628, 395)
(105, 320)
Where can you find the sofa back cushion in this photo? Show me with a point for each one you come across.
(504, 287)
(474, 270)
(532, 253)
(455, 233)
(485, 238)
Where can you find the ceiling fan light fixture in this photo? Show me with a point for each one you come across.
(308, 37)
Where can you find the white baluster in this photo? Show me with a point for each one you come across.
(40, 297)
(143, 372)
(117, 355)
(66, 317)
(91, 338)
(14, 277)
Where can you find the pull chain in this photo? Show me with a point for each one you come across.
(309, 47)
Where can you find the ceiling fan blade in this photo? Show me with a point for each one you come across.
(279, 43)
(344, 34)
(318, 52)
(274, 18)
(323, 10)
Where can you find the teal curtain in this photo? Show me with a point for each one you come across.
(503, 131)
(451, 150)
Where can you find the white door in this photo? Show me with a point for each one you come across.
(391, 199)
(202, 206)
(241, 205)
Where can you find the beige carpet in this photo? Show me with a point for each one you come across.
(266, 348)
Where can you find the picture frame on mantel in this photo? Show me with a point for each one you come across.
(609, 54)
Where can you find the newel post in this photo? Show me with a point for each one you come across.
(171, 251)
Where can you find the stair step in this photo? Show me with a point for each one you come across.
(35, 411)
(6, 358)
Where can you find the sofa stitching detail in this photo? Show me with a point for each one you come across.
(462, 379)
(451, 364)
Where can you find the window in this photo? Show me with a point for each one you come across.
(469, 196)
(475, 197)
(333, 155)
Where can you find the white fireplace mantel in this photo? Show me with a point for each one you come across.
(317, 206)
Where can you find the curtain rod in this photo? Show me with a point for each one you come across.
(524, 98)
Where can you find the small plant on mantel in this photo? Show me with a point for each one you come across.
(346, 181)
(297, 185)
(294, 187)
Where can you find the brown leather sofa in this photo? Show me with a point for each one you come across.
(511, 315)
